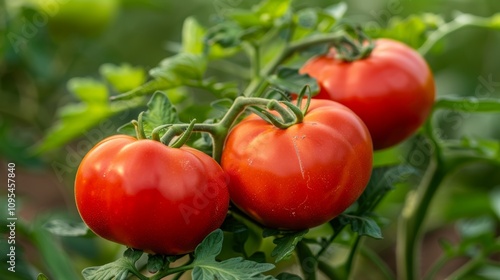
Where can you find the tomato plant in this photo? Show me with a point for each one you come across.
(391, 89)
(301, 176)
(147, 196)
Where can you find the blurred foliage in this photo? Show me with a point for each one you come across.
(44, 45)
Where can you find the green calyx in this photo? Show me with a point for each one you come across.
(351, 49)
(285, 114)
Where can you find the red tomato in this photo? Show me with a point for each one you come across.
(148, 196)
(302, 176)
(392, 90)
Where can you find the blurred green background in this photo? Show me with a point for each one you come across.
(45, 43)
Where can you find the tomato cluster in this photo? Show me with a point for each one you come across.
(160, 199)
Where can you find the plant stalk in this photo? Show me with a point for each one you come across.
(411, 221)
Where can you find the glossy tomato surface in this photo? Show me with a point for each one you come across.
(302, 176)
(392, 90)
(148, 196)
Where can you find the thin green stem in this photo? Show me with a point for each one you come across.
(219, 131)
(417, 204)
(458, 22)
(328, 242)
(259, 83)
(253, 53)
(350, 259)
(466, 269)
(178, 275)
(308, 263)
(380, 264)
(138, 274)
(436, 267)
(411, 220)
(175, 270)
(139, 127)
(328, 270)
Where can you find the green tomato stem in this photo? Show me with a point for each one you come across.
(377, 261)
(328, 270)
(328, 242)
(258, 84)
(308, 263)
(253, 53)
(350, 259)
(437, 266)
(458, 22)
(413, 215)
(219, 131)
(139, 127)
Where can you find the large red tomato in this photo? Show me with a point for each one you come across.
(392, 90)
(148, 196)
(302, 176)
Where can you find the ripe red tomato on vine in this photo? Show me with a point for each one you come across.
(301, 176)
(392, 89)
(149, 196)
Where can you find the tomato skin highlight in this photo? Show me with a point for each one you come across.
(302, 176)
(392, 90)
(148, 196)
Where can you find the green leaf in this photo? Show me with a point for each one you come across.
(52, 254)
(207, 268)
(336, 11)
(313, 20)
(245, 18)
(471, 228)
(41, 276)
(118, 269)
(285, 243)
(192, 36)
(467, 150)
(307, 18)
(210, 247)
(290, 80)
(73, 121)
(261, 15)
(225, 35)
(363, 225)
(178, 69)
(469, 104)
(155, 263)
(413, 30)
(89, 90)
(66, 228)
(127, 129)
(160, 111)
(124, 77)
(269, 10)
(382, 180)
(258, 256)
